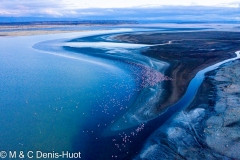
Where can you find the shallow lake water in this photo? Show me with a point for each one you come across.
(47, 99)
(55, 100)
(66, 92)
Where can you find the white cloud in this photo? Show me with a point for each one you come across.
(59, 8)
(6, 13)
(51, 12)
(135, 3)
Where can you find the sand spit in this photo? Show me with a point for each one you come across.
(21, 29)
(36, 32)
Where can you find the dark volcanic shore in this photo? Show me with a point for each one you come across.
(187, 52)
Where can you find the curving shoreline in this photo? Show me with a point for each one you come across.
(142, 68)
(188, 53)
(138, 115)
(182, 69)
(147, 72)
(208, 127)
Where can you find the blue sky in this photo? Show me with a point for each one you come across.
(123, 9)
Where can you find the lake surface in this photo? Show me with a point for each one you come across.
(55, 100)
(72, 92)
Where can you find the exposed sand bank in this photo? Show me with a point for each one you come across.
(20, 29)
(36, 32)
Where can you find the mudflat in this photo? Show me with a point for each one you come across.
(187, 52)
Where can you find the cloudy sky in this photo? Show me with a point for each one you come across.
(119, 9)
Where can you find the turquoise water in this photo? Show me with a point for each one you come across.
(67, 92)
(47, 99)
(120, 93)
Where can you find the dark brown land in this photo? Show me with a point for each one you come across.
(187, 52)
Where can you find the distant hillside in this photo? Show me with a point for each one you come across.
(52, 21)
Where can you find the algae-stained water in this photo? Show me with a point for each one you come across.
(49, 101)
